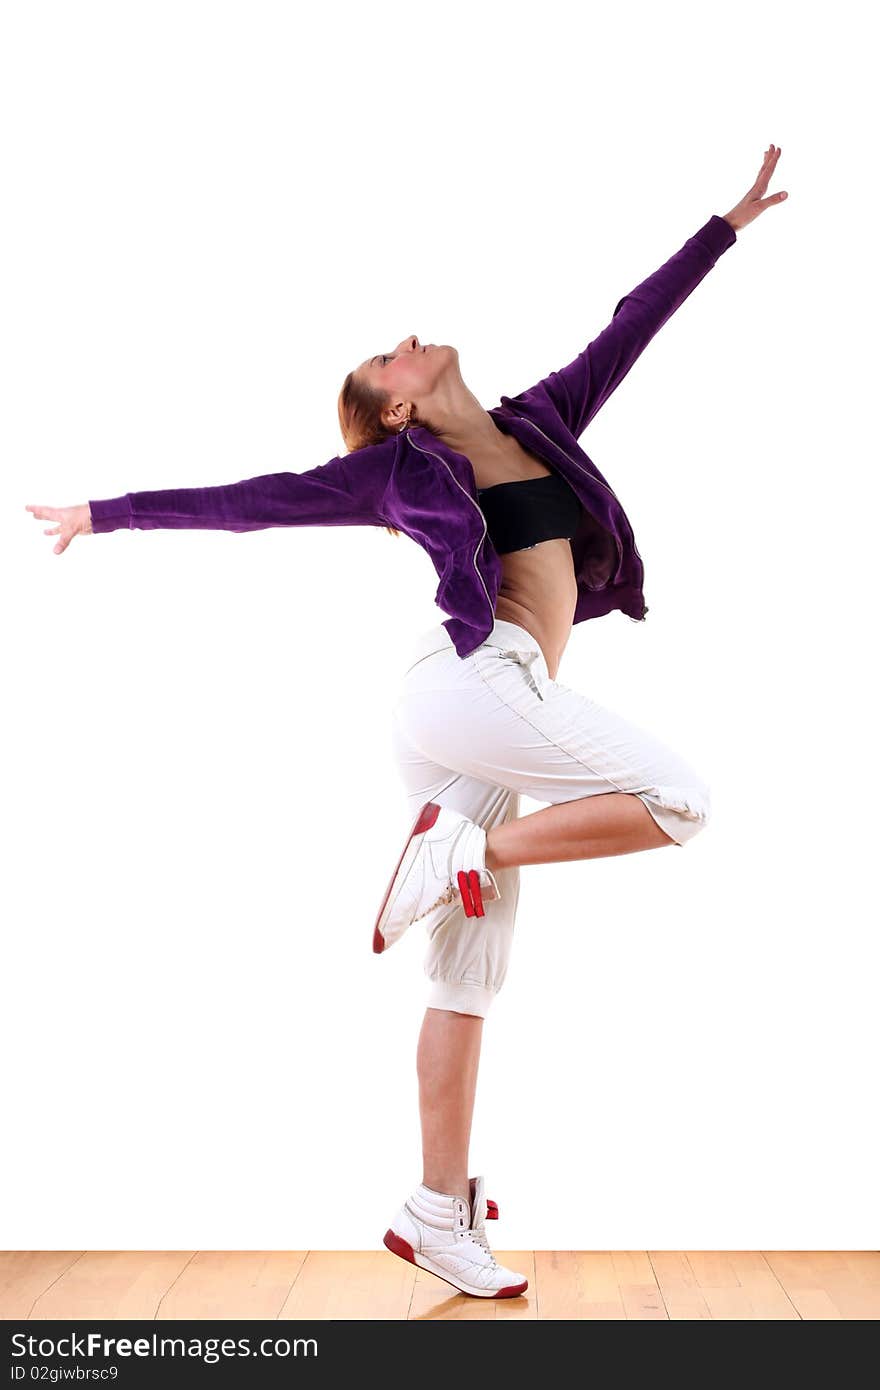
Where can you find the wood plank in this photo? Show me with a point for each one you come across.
(744, 1304)
(25, 1274)
(740, 1284)
(233, 1284)
(814, 1305)
(578, 1284)
(712, 1269)
(638, 1286)
(678, 1286)
(642, 1302)
(830, 1284)
(856, 1303)
(113, 1284)
(351, 1284)
(865, 1263)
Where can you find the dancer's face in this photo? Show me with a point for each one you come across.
(410, 374)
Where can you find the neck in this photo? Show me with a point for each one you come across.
(456, 417)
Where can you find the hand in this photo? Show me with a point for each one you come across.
(754, 203)
(72, 521)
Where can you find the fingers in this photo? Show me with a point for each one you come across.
(772, 201)
(771, 158)
(55, 514)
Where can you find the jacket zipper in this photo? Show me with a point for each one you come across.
(565, 455)
(583, 470)
(432, 454)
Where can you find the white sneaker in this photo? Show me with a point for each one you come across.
(447, 1236)
(442, 867)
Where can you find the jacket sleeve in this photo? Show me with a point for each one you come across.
(580, 389)
(347, 491)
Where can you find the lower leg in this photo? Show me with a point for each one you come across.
(447, 1062)
(589, 828)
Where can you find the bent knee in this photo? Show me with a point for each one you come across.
(681, 811)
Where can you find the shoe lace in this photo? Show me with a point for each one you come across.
(478, 1234)
(445, 897)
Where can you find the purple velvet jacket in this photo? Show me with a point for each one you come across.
(416, 483)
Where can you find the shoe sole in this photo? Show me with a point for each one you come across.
(472, 894)
(398, 1246)
(421, 825)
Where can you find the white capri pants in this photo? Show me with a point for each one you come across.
(474, 733)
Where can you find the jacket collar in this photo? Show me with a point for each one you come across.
(546, 437)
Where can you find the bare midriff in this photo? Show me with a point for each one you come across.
(538, 589)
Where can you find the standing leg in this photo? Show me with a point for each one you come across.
(466, 962)
(448, 1059)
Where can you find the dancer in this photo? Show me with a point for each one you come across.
(528, 539)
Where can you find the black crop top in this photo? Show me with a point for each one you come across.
(521, 513)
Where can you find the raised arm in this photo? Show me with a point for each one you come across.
(580, 389)
(347, 491)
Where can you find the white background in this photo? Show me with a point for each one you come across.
(212, 213)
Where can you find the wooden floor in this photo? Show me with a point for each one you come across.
(570, 1284)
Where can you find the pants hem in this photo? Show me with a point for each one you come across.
(680, 828)
(460, 997)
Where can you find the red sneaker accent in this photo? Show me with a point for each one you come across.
(424, 820)
(427, 817)
(476, 891)
(465, 890)
(492, 1212)
(398, 1246)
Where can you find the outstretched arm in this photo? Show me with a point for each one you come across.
(346, 491)
(578, 390)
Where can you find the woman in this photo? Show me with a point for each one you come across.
(528, 539)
